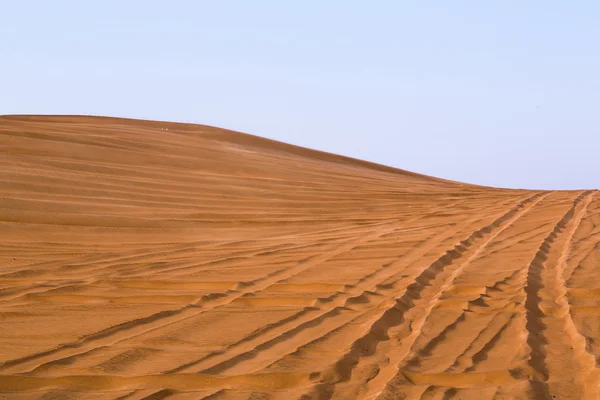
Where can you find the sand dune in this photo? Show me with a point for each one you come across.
(153, 260)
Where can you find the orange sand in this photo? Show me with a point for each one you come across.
(138, 262)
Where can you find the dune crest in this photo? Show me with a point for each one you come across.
(157, 260)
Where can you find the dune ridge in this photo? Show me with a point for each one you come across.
(159, 260)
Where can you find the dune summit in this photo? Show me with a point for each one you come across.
(155, 260)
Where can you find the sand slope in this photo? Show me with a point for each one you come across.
(138, 262)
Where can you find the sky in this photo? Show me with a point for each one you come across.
(499, 93)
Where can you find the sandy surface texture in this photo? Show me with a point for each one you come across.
(150, 260)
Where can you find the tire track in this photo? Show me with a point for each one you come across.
(381, 385)
(282, 346)
(395, 315)
(502, 323)
(547, 304)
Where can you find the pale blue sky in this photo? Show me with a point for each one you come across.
(502, 93)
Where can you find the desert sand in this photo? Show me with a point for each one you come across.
(154, 260)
